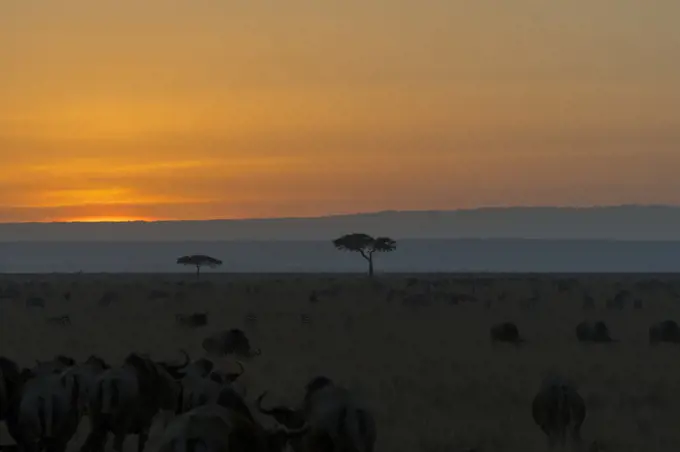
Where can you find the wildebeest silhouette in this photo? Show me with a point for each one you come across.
(619, 300)
(233, 341)
(588, 301)
(505, 332)
(666, 331)
(108, 298)
(558, 408)
(195, 320)
(338, 420)
(593, 332)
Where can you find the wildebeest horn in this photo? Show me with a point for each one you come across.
(291, 433)
(176, 367)
(187, 359)
(233, 377)
(271, 411)
(259, 405)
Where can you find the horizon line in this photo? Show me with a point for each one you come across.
(360, 213)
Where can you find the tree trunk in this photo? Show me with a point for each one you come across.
(198, 272)
(370, 265)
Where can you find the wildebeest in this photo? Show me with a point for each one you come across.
(86, 373)
(201, 385)
(666, 331)
(108, 298)
(505, 332)
(214, 428)
(10, 385)
(588, 301)
(13, 379)
(337, 421)
(619, 300)
(127, 398)
(593, 332)
(194, 320)
(48, 411)
(558, 408)
(233, 341)
(48, 407)
(58, 364)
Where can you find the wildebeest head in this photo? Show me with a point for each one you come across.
(204, 368)
(286, 416)
(95, 362)
(176, 370)
(159, 379)
(318, 382)
(201, 367)
(233, 376)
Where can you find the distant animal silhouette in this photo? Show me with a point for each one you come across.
(558, 408)
(666, 331)
(505, 332)
(62, 320)
(593, 332)
(194, 320)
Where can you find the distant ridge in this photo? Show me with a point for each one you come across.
(627, 222)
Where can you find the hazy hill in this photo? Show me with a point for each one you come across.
(609, 223)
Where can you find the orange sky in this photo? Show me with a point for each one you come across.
(178, 109)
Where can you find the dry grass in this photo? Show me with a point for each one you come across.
(426, 366)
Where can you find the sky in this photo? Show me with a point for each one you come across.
(199, 109)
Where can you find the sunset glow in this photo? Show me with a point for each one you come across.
(105, 219)
(169, 109)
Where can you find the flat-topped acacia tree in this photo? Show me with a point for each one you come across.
(199, 260)
(365, 245)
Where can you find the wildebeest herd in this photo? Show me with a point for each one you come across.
(195, 405)
(43, 405)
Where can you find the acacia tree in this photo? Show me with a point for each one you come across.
(366, 246)
(199, 260)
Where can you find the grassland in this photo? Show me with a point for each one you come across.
(421, 358)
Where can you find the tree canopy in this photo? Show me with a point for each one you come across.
(199, 260)
(365, 245)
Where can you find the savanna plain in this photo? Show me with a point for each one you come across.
(415, 348)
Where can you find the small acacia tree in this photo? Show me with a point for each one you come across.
(366, 246)
(199, 260)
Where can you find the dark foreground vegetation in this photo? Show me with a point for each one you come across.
(340, 362)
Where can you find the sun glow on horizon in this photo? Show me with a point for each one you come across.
(105, 219)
